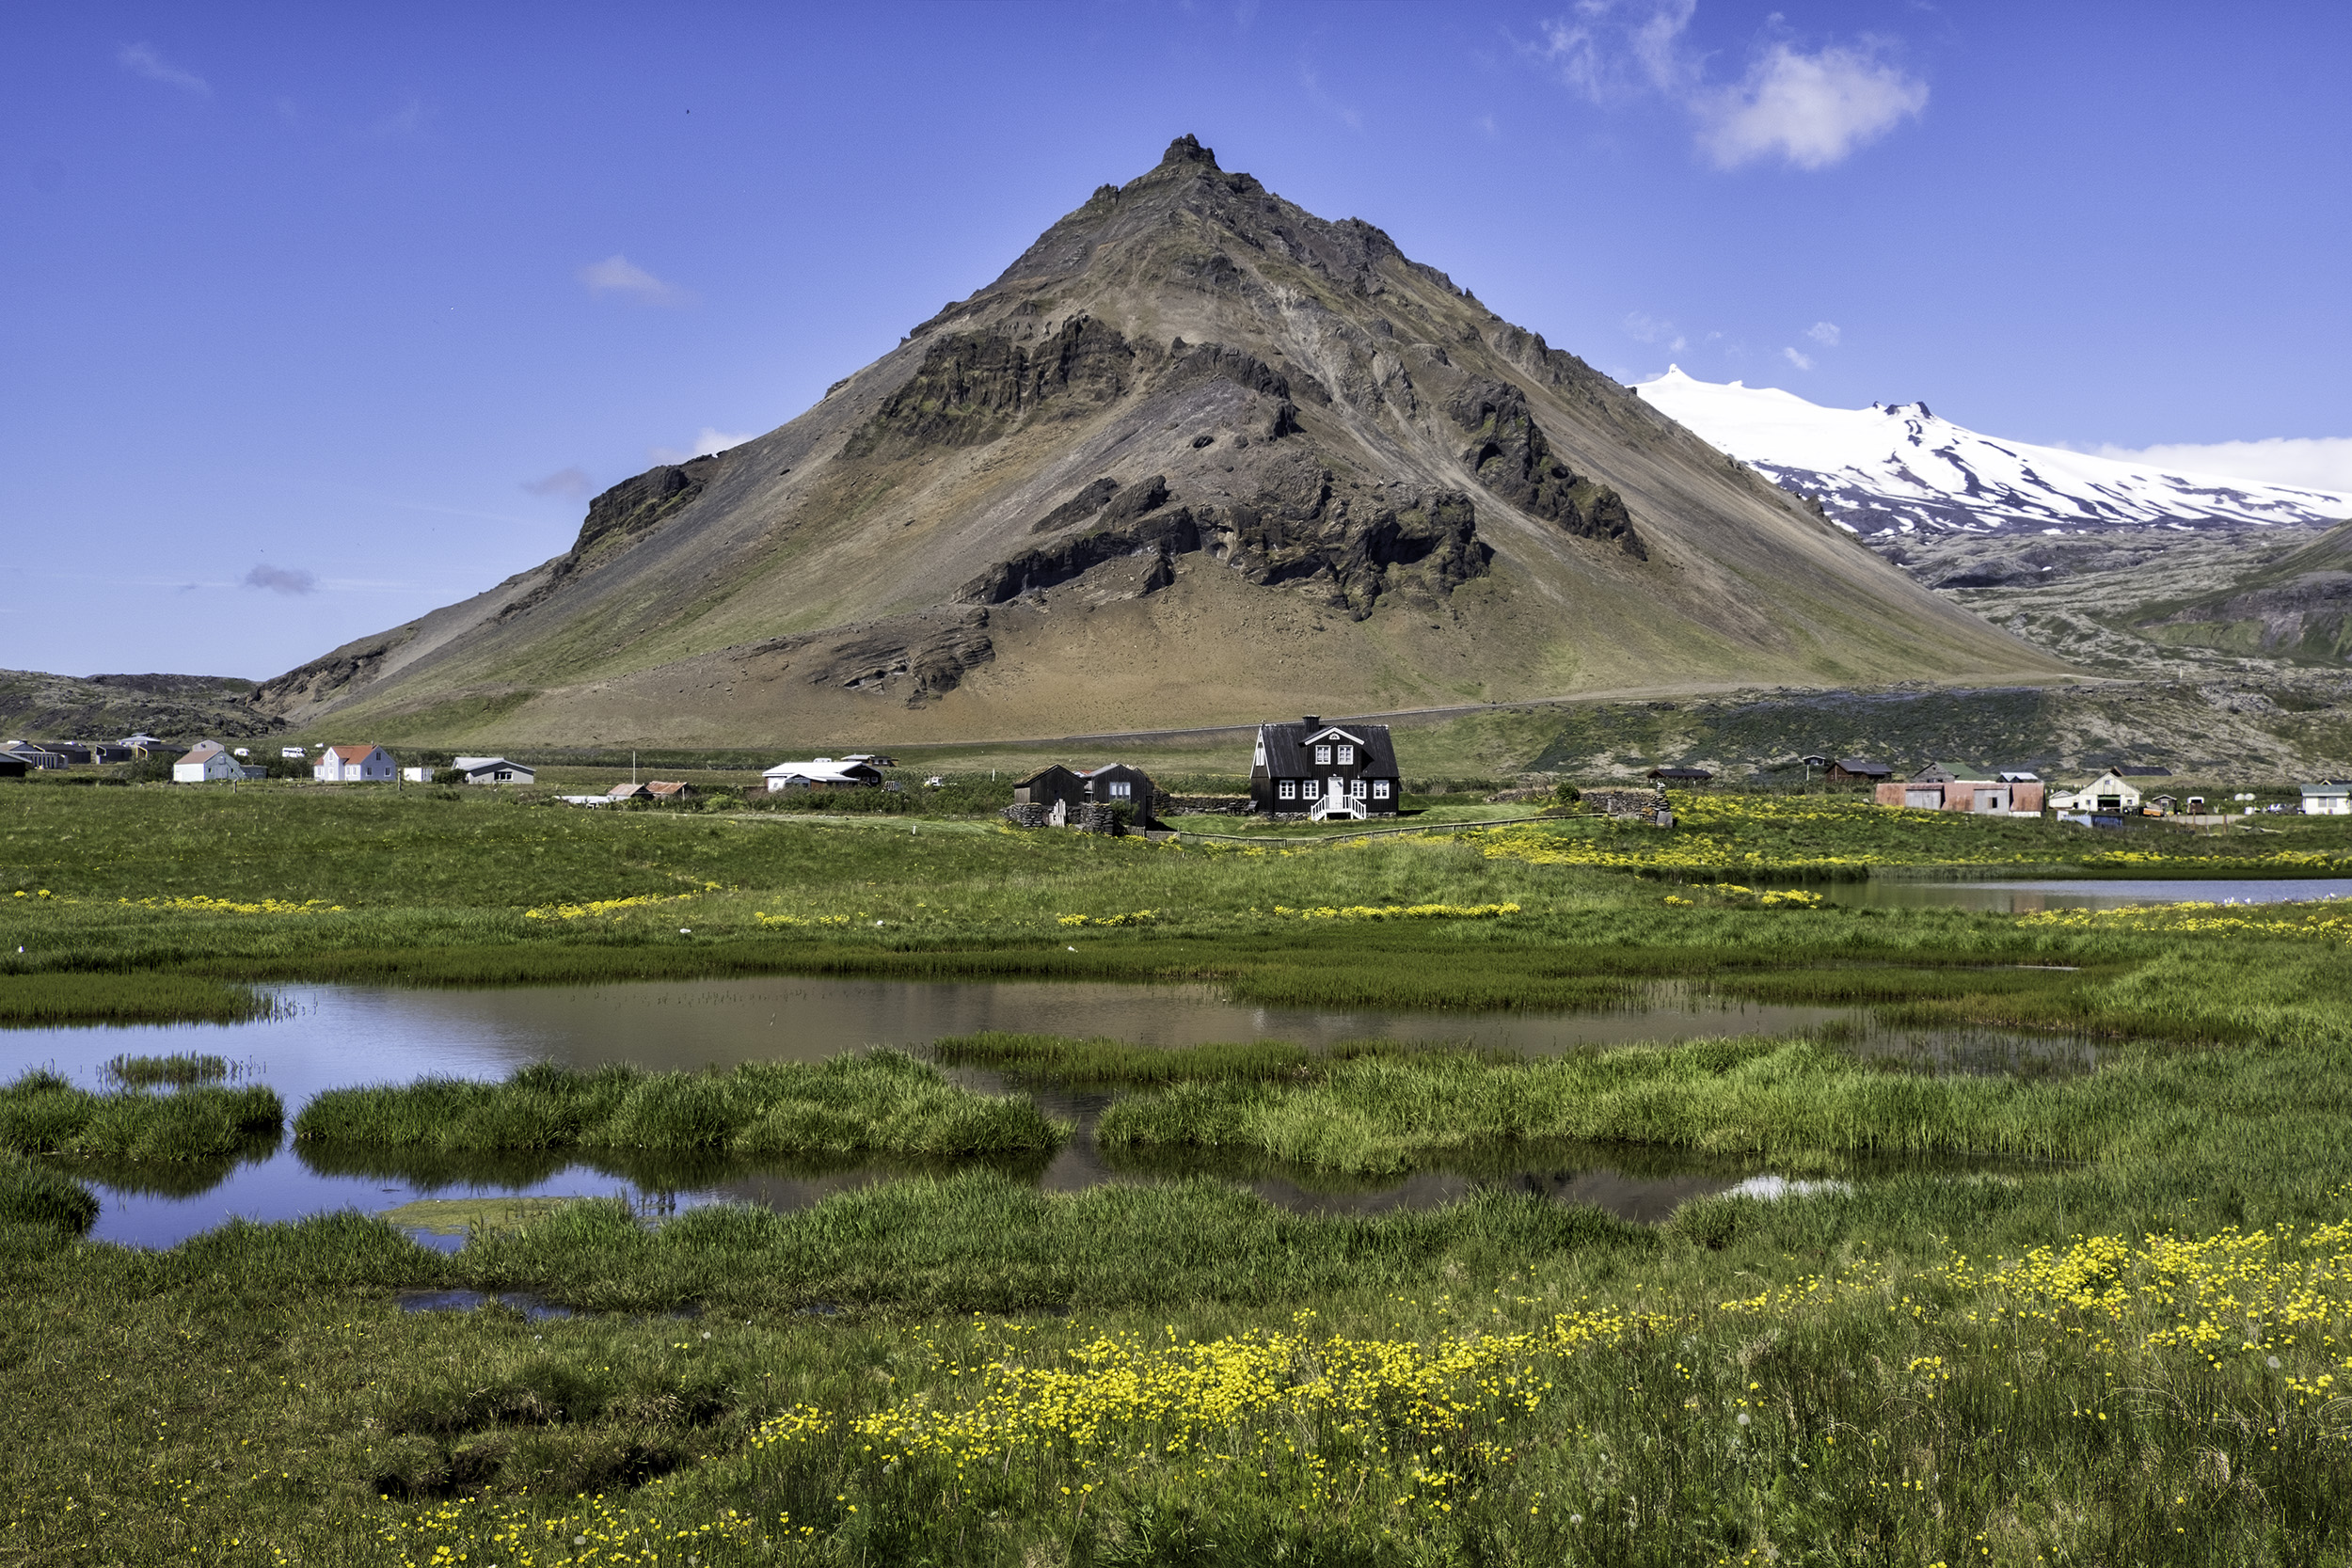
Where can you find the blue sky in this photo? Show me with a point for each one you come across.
(318, 317)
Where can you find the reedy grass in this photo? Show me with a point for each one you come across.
(1772, 1097)
(881, 1102)
(1062, 1059)
(42, 1198)
(41, 1113)
(44, 997)
(179, 1070)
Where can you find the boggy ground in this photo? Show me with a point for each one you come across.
(2131, 1352)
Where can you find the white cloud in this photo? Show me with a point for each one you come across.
(618, 275)
(1645, 329)
(402, 124)
(145, 59)
(704, 444)
(1328, 105)
(1810, 109)
(2312, 463)
(1609, 51)
(570, 483)
(1801, 361)
(1825, 333)
(282, 579)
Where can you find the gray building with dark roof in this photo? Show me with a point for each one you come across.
(1319, 771)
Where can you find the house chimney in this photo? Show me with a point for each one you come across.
(1312, 720)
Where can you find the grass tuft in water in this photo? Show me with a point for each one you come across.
(882, 1102)
(1770, 1097)
(180, 1070)
(50, 997)
(1062, 1059)
(42, 1113)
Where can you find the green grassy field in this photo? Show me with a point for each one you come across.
(2126, 1341)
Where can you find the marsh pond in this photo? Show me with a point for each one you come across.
(325, 1038)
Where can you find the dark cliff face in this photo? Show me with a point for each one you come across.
(972, 386)
(1511, 455)
(1292, 532)
(637, 506)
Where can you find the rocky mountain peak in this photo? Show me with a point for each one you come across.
(1186, 149)
(1159, 471)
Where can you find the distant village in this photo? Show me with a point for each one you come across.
(1307, 770)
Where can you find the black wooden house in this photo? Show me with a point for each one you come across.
(1057, 797)
(1319, 771)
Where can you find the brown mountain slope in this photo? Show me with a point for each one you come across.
(1196, 455)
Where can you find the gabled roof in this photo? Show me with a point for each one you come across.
(1286, 755)
(1864, 764)
(626, 792)
(204, 751)
(1049, 768)
(824, 767)
(1949, 772)
(353, 753)
(659, 789)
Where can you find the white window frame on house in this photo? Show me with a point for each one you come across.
(1323, 756)
(1286, 790)
(1357, 789)
(1123, 791)
(1379, 789)
(1348, 755)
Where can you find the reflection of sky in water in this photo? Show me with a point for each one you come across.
(330, 1037)
(2080, 893)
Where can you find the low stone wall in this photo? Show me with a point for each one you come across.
(1090, 818)
(1621, 803)
(1205, 805)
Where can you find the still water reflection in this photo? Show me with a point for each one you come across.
(330, 1037)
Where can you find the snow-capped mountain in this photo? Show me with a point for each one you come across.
(1897, 469)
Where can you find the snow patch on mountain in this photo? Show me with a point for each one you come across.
(1896, 468)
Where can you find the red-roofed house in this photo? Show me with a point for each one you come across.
(354, 765)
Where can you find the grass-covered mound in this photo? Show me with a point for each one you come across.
(1765, 1097)
(42, 1113)
(31, 1000)
(34, 1195)
(882, 1102)
(1105, 1063)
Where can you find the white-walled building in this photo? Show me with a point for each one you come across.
(2108, 795)
(824, 773)
(495, 770)
(206, 762)
(354, 765)
(2327, 797)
